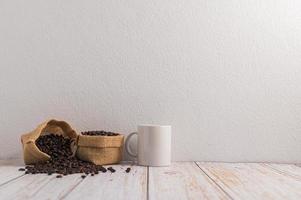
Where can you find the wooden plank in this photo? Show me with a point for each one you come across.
(118, 185)
(58, 188)
(182, 180)
(253, 181)
(25, 187)
(286, 169)
(9, 173)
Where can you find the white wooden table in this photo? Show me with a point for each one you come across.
(182, 180)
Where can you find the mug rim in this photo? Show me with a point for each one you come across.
(153, 125)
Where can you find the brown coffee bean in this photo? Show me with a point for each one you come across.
(111, 169)
(128, 170)
(99, 133)
(59, 176)
(21, 169)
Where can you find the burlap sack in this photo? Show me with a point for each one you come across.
(31, 153)
(100, 150)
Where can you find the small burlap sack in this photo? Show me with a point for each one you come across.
(31, 153)
(100, 150)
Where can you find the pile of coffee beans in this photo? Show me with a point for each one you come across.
(61, 160)
(56, 146)
(99, 133)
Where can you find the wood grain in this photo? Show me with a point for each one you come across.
(292, 171)
(118, 185)
(15, 185)
(58, 188)
(24, 187)
(9, 173)
(253, 181)
(182, 180)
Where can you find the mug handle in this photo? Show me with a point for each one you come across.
(127, 145)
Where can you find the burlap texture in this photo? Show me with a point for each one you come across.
(31, 153)
(100, 150)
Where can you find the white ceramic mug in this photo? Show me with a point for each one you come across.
(154, 145)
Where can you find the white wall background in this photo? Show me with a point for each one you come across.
(225, 74)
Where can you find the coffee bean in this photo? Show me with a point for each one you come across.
(21, 169)
(59, 176)
(83, 176)
(99, 133)
(111, 169)
(102, 169)
(128, 170)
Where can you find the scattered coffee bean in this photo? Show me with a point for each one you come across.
(102, 169)
(111, 169)
(83, 176)
(92, 174)
(21, 169)
(59, 176)
(99, 133)
(128, 170)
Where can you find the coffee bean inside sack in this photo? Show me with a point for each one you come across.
(99, 133)
(62, 161)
